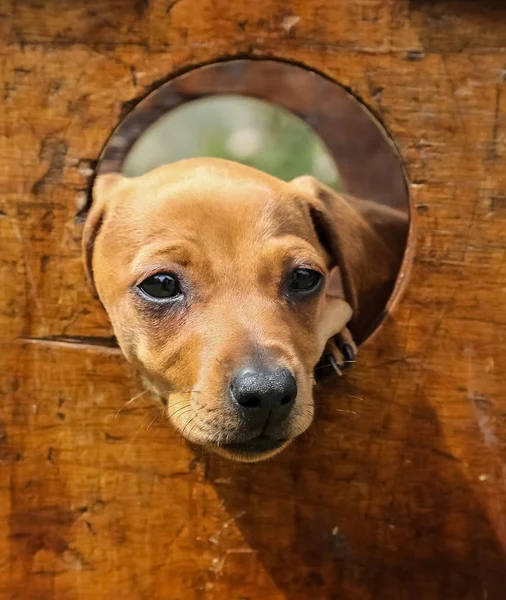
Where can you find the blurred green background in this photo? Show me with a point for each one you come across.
(249, 131)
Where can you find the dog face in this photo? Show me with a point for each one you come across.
(223, 292)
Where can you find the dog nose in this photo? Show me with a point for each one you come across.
(262, 394)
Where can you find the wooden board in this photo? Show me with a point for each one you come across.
(398, 491)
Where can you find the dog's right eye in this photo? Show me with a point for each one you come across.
(304, 281)
(161, 286)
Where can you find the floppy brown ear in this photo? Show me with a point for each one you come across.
(102, 189)
(368, 266)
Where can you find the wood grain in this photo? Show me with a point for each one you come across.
(401, 497)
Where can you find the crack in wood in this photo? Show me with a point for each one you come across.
(80, 342)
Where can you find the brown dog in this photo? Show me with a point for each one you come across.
(224, 286)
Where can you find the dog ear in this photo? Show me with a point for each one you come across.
(102, 190)
(367, 266)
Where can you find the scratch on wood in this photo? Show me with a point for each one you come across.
(179, 533)
(133, 73)
(492, 151)
(444, 454)
(415, 55)
(454, 94)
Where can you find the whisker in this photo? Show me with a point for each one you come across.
(190, 432)
(329, 364)
(183, 401)
(188, 411)
(190, 420)
(176, 411)
(132, 440)
(136, 397)
(172, 391)
(157, 417)
(154, 391)
(343, 410)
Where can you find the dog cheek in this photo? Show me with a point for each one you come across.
(126, 330)
(304, 410)
(170, 351)
(306, 346)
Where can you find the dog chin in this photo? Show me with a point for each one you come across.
(248, 454)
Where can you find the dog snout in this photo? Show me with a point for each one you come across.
(264, 395)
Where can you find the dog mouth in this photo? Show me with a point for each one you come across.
(253, 450)
(259, 444)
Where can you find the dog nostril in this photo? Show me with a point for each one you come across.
(251, 402)
(286, 400)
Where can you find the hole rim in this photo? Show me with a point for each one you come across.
(114, 152)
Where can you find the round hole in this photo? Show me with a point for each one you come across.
(246, 130)
(279, 118)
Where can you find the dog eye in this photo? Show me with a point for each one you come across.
(160, 286)
(304, 280)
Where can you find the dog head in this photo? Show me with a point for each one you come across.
(223, 286)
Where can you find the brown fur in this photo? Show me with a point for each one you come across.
(231, 232)
(367, 241)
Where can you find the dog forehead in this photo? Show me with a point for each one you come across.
(208, 199)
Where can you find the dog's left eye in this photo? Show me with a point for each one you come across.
(161, 286)
(304, 280)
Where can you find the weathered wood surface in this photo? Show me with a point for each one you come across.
(402, 498)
